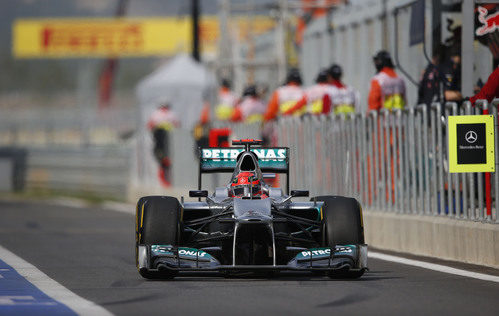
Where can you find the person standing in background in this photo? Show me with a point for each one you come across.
(432, 84)
(387, 88)
(285, 97)
(251, 108)
(451, 71)
(387, 92)
(161, 122)
(343, 99)
(313, 98)
(226, 102)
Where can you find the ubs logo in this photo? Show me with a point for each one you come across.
(471, 137)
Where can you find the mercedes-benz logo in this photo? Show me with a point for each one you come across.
(471, 137)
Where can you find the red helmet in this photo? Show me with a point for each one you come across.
(245, 183)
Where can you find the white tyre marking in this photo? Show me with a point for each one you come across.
(435, 267)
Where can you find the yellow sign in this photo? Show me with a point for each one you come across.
(95, 37)
(471, 143)
(123, 37)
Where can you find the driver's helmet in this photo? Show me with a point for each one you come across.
(245, 184)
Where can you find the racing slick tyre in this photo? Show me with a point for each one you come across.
(342, 226)
(157, 223)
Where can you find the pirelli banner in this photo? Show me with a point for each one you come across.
(471, 143)
(123, 37)
(130, 37)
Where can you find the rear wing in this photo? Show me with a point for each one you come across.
(223, 160)
(273, 159)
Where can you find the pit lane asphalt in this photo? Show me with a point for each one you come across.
(91, 252)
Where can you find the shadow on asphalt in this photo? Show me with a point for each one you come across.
(347, 300)
(214, 277)
(142, 298)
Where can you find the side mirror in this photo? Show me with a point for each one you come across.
(198, 193)
(297, 193)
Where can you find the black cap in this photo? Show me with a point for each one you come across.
(294, 76)
(335, 71)
(382, 59)
(322, 76)
(250, 91)
(226, 83)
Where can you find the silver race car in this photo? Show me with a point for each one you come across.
(249, 225)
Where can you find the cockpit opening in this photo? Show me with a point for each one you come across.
(247, 164)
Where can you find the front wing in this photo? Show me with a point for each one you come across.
(344, 257)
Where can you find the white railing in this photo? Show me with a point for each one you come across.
(404, 171)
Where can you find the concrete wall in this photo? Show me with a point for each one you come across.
(444, 238)
(101, 171)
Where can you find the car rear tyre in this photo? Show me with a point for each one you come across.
(342, 226)
(157, 223)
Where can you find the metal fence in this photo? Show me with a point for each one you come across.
(390, 161)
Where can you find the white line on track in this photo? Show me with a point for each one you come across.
(433, 266)
(50, 287)
(119, 207)
(108, 205)
(69, 202)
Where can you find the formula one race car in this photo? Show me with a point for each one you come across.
(249, 226)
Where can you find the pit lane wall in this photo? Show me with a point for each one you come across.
(66, 150)
(439, 237)
(395, 164)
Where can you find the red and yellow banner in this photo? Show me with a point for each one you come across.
(121, 37)
(94, 37)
